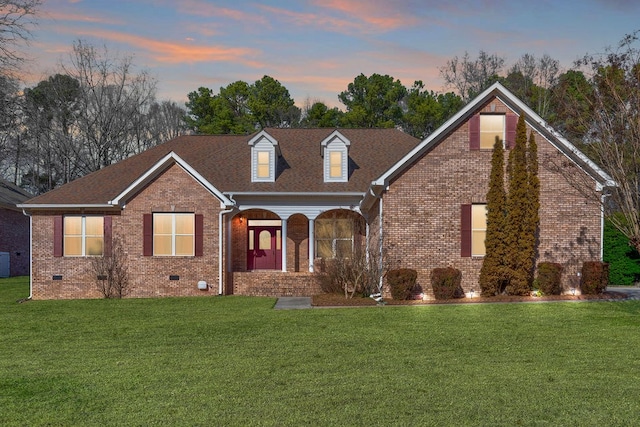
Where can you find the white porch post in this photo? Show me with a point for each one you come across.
(312, 244)
(284, 245)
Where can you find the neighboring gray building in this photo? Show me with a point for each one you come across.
(14, 231)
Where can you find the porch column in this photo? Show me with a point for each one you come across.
(312, 246)
(283, 238)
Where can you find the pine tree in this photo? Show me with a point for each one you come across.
(516, 226)
(492, 274)
(533, 216)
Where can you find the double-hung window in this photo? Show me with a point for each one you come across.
(335, 165)
(491, 126)
(478, 229)
(263, 164)
(83, 236)
(334, 237)
(173, 234)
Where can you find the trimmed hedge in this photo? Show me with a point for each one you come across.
(550, 278)
(401, 282)
(446, 283)
(595, 277)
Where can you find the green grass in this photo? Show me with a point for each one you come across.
(236, 361)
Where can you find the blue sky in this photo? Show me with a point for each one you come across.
(315, 48)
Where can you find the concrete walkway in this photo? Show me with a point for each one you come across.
(632, 292)
(292, 303)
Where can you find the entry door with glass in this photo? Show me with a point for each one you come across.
(264, 248)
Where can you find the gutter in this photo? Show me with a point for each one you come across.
(67, 206)
(300, 194)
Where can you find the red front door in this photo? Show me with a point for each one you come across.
(264, 248)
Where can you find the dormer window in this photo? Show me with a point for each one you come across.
(335, 151)
(264, 164)
(335, 164)
(264, 152)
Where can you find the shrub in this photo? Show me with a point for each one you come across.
(112, 273)
(623, 259)
(358, 274)
(401, 282)
(595, 277)
(446, 283)
(550, 278)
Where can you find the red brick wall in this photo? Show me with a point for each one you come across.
(298, 243)
(275, 283)
(173, 190)
(14, 238)
(421, 211)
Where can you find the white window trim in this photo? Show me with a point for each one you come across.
(263, 142)
(504, 130)
(174, 234)
(336, 142)
(478, 229)
(269, 176)
(83, 236)
(333, 239)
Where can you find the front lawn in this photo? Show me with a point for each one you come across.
(236, 361)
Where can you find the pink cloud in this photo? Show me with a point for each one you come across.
(383, 16)
(316, 20)
(180, 53)
(207, 9)
(75, 17)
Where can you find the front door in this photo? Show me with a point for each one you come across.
(264, 247)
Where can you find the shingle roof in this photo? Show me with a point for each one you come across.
(225, 162)
(11, 195)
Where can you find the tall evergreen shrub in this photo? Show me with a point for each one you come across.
(530, 238)
(493, 272)
(517, 225)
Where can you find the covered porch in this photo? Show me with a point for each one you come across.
(274, 252)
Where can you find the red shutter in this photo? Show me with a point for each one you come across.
(108, 245)
(511, 123)
(474, 132)
(147, 231)
(465, 231)
(199, 235)
(57, 235)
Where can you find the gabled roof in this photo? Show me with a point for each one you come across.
(517, 106)
(222, 163)
(11, 195)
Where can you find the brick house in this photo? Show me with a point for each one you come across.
(255, 214)
(14, 231)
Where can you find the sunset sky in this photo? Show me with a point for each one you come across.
(315, 48)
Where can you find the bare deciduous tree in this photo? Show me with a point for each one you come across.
(612, 136)
(469, 76)
(113, 98)
(112, 275)
(16, 20)
(361, 272)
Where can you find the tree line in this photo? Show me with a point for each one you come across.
(96, 111)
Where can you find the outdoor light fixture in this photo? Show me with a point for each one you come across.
(573, 290)
(471, 293)
(202, 285)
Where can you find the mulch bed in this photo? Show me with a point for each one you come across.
(339, 300)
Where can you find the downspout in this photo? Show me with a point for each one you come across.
(221, 246)
(603, 196)
(380, 242)
(24, 212)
